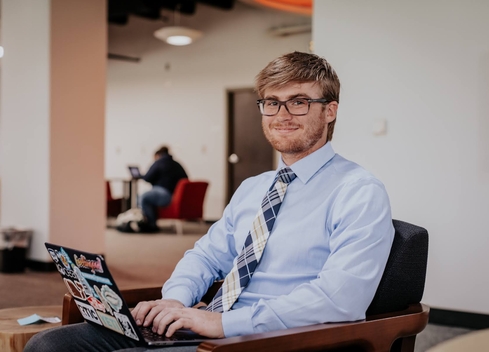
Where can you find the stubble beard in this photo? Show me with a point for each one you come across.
(298, 145)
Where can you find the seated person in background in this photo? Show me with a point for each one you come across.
(314, 253)
(163, 175)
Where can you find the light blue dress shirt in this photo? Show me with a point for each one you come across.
(323, 260)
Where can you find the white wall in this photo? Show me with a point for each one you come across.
(177, 95)
(424, 67)
(24, 116)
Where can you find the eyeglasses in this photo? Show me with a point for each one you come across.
(296, 106)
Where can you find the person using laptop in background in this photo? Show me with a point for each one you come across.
(314, 253)
(163, 175)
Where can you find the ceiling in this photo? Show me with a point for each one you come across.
(120, 10)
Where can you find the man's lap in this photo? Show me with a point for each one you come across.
(85, 337)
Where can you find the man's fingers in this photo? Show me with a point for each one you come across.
(141, 311)
(145, 312)
(163, 319)
(178, 324)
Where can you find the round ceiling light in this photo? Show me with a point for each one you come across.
(176, 35)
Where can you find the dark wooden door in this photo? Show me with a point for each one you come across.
(249, 152)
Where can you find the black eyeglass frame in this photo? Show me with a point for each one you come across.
(260, 102)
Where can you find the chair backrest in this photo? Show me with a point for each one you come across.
(108, 191)
(404, 276)
(187, 201)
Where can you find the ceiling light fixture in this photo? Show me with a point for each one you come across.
(177, 35)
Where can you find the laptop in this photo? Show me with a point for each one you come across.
(100, 302)
(135, 173)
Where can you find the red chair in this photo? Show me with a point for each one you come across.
(114, 206)
(187, 203)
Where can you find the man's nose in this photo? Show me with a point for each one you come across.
(283, 114)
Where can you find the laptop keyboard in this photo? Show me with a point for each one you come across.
(177, 336)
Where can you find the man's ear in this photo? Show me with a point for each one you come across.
(330, 111)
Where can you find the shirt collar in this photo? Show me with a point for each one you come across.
(306, 167)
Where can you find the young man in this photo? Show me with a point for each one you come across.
(314, 253)
(163, 175)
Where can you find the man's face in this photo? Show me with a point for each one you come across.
(298, 136)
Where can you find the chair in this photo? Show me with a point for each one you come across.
(394, 317)
(187, 203)
(114, 206)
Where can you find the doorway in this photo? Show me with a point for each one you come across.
(249, 152)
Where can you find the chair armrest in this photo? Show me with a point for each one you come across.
(72, 315)
(377, 333)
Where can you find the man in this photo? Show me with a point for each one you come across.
(322, 234)
(163, 175)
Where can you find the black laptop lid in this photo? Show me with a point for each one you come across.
(94, 290)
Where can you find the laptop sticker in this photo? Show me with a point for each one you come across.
(126, 325)
(65, 259)
(88, 312)
(95, 266)
(102, 299)
(110, 322)
(76, 289)
(53, 255)
(111, 297)
(95, 303)
(84, 283)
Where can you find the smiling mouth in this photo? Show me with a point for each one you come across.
(285, 129)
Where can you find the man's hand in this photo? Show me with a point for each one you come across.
(172, 314)
(199, 321)
(146, 311)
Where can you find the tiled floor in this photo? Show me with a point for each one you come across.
(434, 334)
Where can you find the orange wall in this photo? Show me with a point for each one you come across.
(78, 81)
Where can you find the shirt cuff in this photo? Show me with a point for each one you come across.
(180, 294)
(237, 322)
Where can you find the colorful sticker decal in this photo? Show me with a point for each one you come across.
(127, 326)
(61, 269)
(88, 312)
(79, 276)
(110, 322)
(65, 259)
(104, 302)
(93, 265)
(95, 303)
(53, 254)
(102, 280)
(112, 298)
(76, 289)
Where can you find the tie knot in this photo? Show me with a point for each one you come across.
(286, 175)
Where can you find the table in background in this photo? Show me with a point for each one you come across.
(129, 192)
(13, 337)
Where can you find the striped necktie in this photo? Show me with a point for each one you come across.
(245, 263)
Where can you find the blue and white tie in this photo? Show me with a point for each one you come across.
(245, 263)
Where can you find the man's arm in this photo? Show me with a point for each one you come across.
(211, 259)
(152, 175)
(193, 275)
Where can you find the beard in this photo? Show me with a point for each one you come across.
(312, 133)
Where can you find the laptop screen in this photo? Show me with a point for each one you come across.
(134, 170)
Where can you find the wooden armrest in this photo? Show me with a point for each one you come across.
(377, 333)
(72, 315)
